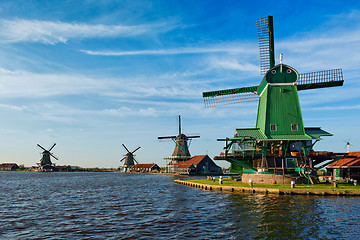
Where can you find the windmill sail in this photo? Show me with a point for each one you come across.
(52, 147)
(267, 61)
(230, 96)
(321, 79)
(136, 150)
(266, 43)
(125, 148)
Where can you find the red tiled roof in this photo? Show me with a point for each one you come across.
(355, 154)
(185, 165)
(196, 159)
(144, 165)
(192, 161)
(7, 165)
(351, 160)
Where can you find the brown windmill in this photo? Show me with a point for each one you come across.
(45, 164)
(129, 159)
(181, 151)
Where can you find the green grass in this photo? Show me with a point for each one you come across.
(322, 186)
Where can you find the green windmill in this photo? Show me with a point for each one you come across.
(279, 144)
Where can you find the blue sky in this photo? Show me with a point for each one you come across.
(91, 75)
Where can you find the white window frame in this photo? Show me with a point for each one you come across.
(273, 126)
(294, 126)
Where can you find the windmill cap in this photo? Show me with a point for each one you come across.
(181, 136)
(281, 74)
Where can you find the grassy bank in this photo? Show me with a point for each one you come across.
(342, 186)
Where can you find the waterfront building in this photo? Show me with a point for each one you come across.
(346, 168)
(199, 164)
(8, 167)
(145, 167)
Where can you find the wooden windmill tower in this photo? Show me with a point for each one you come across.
(181, 151)
(279, 140)
(129, 159)
(45, 162)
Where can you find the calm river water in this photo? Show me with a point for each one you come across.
(36, 205)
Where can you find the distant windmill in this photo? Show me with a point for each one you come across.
(348, 144)
(129, 159)
(181, 151)
(45, 161)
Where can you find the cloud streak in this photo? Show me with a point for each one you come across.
(173, 51)
(44, 85)
(48, 32)
(336, 108)
(233, 64)
(28, 84)
(13, 107)
(126, 111)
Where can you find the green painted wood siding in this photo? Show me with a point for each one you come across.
(279, 103)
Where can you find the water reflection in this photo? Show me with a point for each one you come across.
(293, 217)
(142, 206)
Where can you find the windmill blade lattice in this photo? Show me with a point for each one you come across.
(230, 96)
(266, 43)
(194, 136)
(41, 147)
(136, 150)
(320, 79)
(166, 137)
(125, 148)
(52, 147)
(53, 156)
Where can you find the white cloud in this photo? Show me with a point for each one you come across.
(230, 48)
(126, 111)
(29, 85)
(47, 32)
(336, 108)
(13, 107)
(233, 64)
(33, 85)
(332, 46)
(313, 43)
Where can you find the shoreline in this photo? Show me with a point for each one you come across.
(263, 190)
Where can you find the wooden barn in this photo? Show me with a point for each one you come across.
(346, 168)
(199, 164)
(145, 167)
(9, 167)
